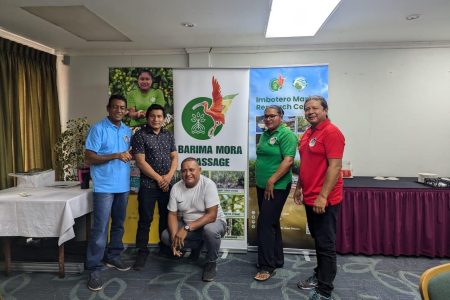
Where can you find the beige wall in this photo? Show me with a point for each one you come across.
(393, 105)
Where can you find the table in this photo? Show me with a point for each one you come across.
(394, 218)
(42, 212)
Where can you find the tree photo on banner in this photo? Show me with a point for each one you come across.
(142, 87)
(212, 108)
(287, 87)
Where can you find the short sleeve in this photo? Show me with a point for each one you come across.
(173, 148)
(94, 139)
(160, 98)
(172, 204)
(137, 143)
(288, 144)
(131, 99)
(334, 144)
(211, 195)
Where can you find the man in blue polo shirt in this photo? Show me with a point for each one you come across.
(107, 146)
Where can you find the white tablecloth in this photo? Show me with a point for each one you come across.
(43, 212)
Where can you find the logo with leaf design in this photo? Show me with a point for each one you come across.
(203, 118)
(276, 84)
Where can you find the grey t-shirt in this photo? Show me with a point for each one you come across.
(193, 202)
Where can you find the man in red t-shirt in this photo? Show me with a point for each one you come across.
(320, 188)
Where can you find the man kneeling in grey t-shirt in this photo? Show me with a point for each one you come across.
(195, 216)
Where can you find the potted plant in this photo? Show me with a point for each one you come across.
(69, 148)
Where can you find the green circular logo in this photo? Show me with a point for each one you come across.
(300, 83)
(198, 121)
(275, 85)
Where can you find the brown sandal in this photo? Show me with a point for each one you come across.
(264, 275)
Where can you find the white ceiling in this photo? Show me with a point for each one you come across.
(156, 24)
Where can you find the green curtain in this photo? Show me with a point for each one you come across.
(29, 110)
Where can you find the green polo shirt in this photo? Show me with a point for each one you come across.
(142, 101)
(270, 152)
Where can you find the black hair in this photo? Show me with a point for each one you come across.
(116, 97)
(278, 108)
(155, 107)
(322, 100)
(144, 71)
(189, 159)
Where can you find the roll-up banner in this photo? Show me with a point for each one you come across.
(287, 87)
(158, 85)
(211, 121)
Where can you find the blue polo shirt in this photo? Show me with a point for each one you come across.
(106, 138)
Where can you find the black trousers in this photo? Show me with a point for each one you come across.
(270, 242)
(147, 198)
(323, 231)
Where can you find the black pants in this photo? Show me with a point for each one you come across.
(147, 198)
(323, 230)
(270, 242)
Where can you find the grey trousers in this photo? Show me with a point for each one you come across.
(210, 235)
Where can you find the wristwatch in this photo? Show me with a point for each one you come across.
(187, 228)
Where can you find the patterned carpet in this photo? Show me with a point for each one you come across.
(359, 277)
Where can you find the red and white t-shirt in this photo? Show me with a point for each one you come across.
(315, 147)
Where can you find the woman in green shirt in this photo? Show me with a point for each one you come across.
(275, 154)
(139, 100)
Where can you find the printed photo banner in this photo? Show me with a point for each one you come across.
(287, 87)
(141, 86)
(211, 114)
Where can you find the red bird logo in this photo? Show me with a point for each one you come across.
(280, 81)
(215, 110)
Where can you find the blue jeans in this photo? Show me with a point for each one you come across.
(106, 205)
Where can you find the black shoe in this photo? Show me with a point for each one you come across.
(95, 282)
(308, 284)
(209, 271)
(118, 264)
(141, 258)
(315, 295)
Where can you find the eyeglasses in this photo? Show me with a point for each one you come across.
(270, 117)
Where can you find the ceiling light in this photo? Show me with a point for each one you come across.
(189, 25)
(291, 18)
(412, 17)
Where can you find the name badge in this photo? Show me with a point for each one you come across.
(312, 142)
